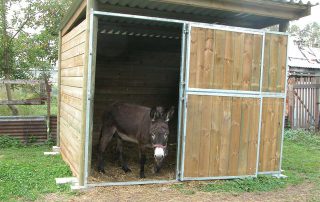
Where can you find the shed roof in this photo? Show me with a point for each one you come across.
(242, 13)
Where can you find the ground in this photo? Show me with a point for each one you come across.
(303, 192)
(27, 175)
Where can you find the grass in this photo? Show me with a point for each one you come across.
(28, 110)
(26, 174)
(301, 162)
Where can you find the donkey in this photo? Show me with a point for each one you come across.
(147, 127)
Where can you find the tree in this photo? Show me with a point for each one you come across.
(29, 38)
(308, 35)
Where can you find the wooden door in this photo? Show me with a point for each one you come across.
(223, 104)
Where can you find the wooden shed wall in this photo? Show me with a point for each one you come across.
(71, 91)
(139, 70)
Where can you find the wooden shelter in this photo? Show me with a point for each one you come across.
(209, 58)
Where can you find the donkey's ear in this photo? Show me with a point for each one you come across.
(153, 113)
(169, 114)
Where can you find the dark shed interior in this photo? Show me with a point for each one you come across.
(137, 62)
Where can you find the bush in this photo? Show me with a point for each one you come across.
(7, 142)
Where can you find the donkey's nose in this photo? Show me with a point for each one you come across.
(158, 153)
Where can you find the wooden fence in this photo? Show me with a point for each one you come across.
(28, 129)
(303, 102)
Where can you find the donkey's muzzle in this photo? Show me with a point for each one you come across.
(158, 153)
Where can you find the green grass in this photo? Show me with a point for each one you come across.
(26, 174)
(301, 162)
(28, 110)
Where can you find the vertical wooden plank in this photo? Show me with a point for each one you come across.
(279, 133)
(228, 61)
(205, 136)
(238, 60)
(274, 62)
(253, 136)
(256, 67)
(209, 59)
(200, 68)
(193, 57)
(247, 62)
(215, 136)
(191, 117)
(219, 51)
(225, 136)
(275, 124)
(266, 63)
(243, 151)
(264, 134)
(235, 137)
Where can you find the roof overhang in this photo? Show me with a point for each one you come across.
(242, 13)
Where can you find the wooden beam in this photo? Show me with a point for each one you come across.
(257, 7)
(74, 18)
(21, 102)
(283, 27)
(306, 86)
(20, 81)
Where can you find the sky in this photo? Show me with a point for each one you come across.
(314, 17)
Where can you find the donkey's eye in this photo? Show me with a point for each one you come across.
(153, 136)
(165, 136)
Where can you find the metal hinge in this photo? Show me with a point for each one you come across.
(186, 31)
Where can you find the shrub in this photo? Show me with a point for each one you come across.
(7, 142)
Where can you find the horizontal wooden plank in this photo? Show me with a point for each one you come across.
(296, 86)
(75, 51)
(81, 38)
(22, 102)
(72, 81)
(67, 156)
(73, 62)
(73, 135)
(74, 32)
(21, 81)
(134, 90)
(73, 101)
(71, 110)
(71, 120)
(72, 72)
(72, 91)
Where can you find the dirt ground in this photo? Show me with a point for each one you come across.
(304, 192)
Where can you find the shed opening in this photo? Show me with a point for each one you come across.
(137, 62)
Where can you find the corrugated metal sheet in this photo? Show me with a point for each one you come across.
(27, 128)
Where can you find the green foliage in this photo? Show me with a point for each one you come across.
(308, 35)
(8, 142)
(26, 174)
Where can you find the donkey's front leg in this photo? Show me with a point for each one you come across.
(142, 157)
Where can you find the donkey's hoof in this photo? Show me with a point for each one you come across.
(142, 175)
(101, 171)
(126, 169)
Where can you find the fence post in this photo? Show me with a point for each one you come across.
(48, 89)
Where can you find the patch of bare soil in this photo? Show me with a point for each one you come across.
(304, 192)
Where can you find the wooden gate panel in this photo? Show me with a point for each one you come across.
(275, 59)
(222, 136)
(225, 60)
(271, 134)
